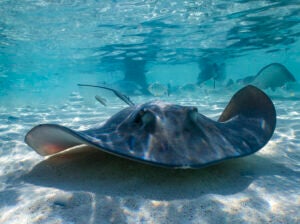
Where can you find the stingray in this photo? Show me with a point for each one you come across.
(273, 76)
(170, 135)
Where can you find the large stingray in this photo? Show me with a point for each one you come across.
(170, 135)
(272, 76)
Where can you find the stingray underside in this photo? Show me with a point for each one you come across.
(171, 135)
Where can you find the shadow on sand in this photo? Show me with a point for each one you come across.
(109, 185)
(87, 169)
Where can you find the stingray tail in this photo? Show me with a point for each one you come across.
(253, 107)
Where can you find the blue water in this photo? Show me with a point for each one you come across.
(47, 47)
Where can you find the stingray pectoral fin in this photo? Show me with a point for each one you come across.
(250, 102)
(251, 115)
(48, 139)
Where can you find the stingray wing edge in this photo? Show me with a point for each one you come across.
(49, 139)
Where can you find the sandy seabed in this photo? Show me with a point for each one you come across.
(88, 186)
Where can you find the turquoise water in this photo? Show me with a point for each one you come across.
(47, 47)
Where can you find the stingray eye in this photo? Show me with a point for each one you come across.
(143, 117)
(193, 109)
(146, 119)
(193, 113)
(138, 117)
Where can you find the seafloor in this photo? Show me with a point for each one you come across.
(86, 186)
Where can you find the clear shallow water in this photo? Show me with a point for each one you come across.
(89, 187)
(47, 47)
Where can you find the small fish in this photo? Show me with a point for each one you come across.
(157, 89)
(123, 97)
(101, 100)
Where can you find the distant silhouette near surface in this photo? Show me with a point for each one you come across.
(210, 69)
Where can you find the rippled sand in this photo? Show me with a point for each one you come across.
(87, 186)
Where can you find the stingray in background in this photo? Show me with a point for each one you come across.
(273, 76)
(169, 135)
